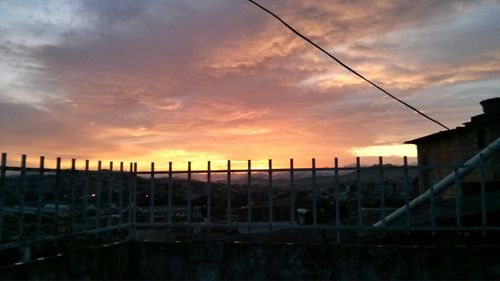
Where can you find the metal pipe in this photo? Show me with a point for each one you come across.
(469, 166)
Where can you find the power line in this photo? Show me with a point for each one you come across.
(347, 67)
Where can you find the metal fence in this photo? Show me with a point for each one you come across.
(39, 203)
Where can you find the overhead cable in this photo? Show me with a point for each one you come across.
(347, 67)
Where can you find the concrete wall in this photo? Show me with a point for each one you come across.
(242, 261)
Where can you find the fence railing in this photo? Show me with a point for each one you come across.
(40, 203)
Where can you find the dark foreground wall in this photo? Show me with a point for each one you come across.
(242, 261)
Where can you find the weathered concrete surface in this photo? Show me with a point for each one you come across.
(292, 261)
(254, 261)
(91, 262)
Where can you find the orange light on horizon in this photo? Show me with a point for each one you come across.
(400, 150)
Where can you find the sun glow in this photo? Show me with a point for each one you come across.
(385, 150)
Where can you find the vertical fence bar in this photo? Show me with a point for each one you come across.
(315, 193)
(228, 193)
(209, 193)
(382, 191)
(2, 192)
(189, 195)
(57, 192)
(337, 199)
(120, 196)
(110, 195)
(407, 191)
(169, 218)
(270, 193)
(39, 197)
(86, 195)
(249, 191)
(98, 196)
(152, 195)
(433, 199)
(134, 203)
(359, 191)
(484, 217)
(22, 186)
(292, 192)
(134, 197)
(458, 198)
(72, 196)
(130, 200)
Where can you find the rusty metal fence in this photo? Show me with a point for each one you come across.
(41, 204)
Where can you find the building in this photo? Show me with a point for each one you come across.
(456, 146)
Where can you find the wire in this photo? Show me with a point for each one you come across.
(347, 67)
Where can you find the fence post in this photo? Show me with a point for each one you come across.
(484, 217)
(98, 196)
(169, 193)
(337, 201)
(40, 198)
(120, 197)
(22, 184)
(57, 192)
(110, 196)
(2, 192)
(189, 206)
(72, 196)
(152, 194)
(382, 191)
(86, 195)
(292, 193)
(228, 193)
(270, 194)
(315, 193)
(458, 198)
(407, 191)
(359, 194)
(433, 199)
(249, 192)
(134, 203)
(209, 193)
(130, 201)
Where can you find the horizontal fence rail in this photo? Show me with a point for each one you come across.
(40, 203)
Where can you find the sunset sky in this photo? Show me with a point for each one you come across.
(202, 80)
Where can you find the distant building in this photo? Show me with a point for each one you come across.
(457, 146)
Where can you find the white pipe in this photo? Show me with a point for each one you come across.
(439, 187)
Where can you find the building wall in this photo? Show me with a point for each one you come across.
(456, 149)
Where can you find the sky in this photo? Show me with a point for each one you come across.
(197, 80)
